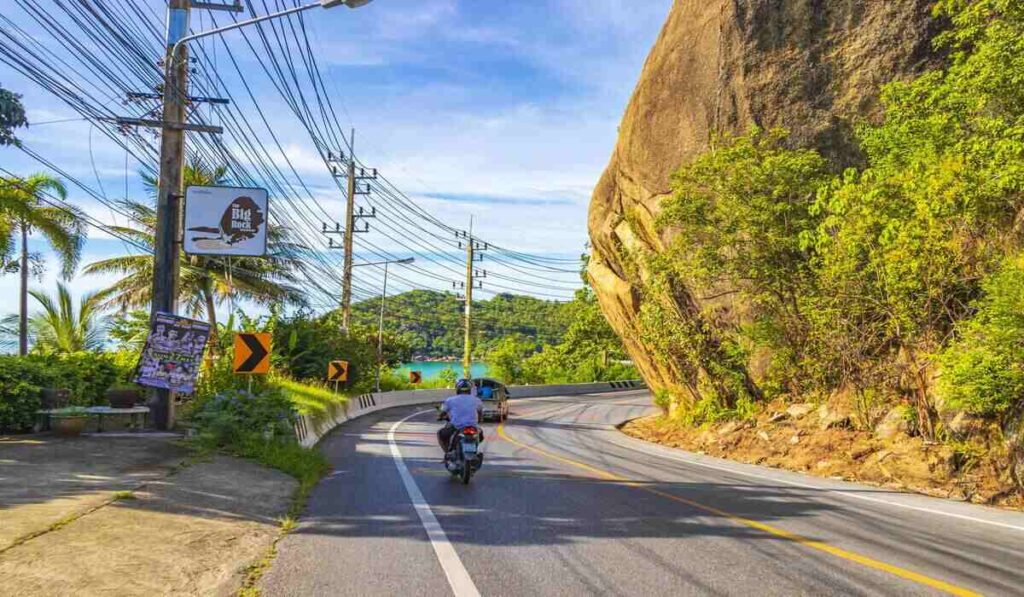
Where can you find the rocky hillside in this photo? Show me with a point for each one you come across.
(823, 203)
(720, 67)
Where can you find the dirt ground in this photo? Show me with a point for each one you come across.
(805, 443)
(113, 516)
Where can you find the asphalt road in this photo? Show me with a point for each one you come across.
(567, 505)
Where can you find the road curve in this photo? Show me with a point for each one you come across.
(567, 505)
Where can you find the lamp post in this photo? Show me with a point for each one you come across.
(172, 153)
(383, 297)
(275, 15)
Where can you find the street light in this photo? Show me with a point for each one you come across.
(383, 296)
(275, 15)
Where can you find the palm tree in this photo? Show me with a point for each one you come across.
(59, 328)
(204, 282)
(23, 209)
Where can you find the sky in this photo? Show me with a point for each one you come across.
(506, 111)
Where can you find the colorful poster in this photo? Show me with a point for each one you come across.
(173, 353)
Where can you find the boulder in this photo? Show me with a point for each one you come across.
(892, 424)
(728, 428)
(799, 411)
(720, 67)
(964, 424)
(829, 417)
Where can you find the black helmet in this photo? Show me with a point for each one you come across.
(464, 386)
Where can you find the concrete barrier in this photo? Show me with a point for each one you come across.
(311, 430)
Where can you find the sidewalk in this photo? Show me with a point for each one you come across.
(131, 516)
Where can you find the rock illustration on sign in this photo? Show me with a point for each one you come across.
(241, 221)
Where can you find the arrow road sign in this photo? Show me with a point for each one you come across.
(415, 377)
(337, 371)
(252, 353)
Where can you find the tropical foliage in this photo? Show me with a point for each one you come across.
(60, 328)
(12, 116)
(24, 208)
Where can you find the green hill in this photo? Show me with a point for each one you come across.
(432, 322)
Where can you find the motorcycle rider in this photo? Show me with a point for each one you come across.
(463, 409)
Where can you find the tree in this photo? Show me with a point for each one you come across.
(12, 116)
(204, 282)
(130, 329)
(505, 361)
(22, 210)
(61, 329)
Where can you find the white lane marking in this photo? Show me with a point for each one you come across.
(458, 578)
(845, 493)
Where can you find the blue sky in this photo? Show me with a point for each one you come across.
(504, 110)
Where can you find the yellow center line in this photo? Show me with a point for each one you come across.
(767, 528)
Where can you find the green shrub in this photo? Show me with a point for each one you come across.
(983, 371)
(231, 417)
(87, 375)
(19, 394)
(261, 426)
(663, 400)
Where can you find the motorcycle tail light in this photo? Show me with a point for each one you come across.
(470, 431)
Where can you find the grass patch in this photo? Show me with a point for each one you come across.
(124, 495)
(313, 400)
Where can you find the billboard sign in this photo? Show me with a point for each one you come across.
(226, 221)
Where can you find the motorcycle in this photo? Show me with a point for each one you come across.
(464, 456)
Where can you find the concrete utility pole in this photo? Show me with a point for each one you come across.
(472, 246)
(467, 353)
(352, 189)
(350, 225)
(168, 204)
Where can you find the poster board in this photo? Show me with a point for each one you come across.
(173, 353)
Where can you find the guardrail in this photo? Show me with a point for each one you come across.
(310, 430)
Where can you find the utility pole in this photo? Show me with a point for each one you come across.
(23, 293)
(467, 352)
(380, 325)
(168, 205)
(472, 246)
(350, 224)
(351, 215)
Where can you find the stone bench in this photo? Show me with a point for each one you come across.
(100, 412)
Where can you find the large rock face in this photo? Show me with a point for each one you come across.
(721, 66)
